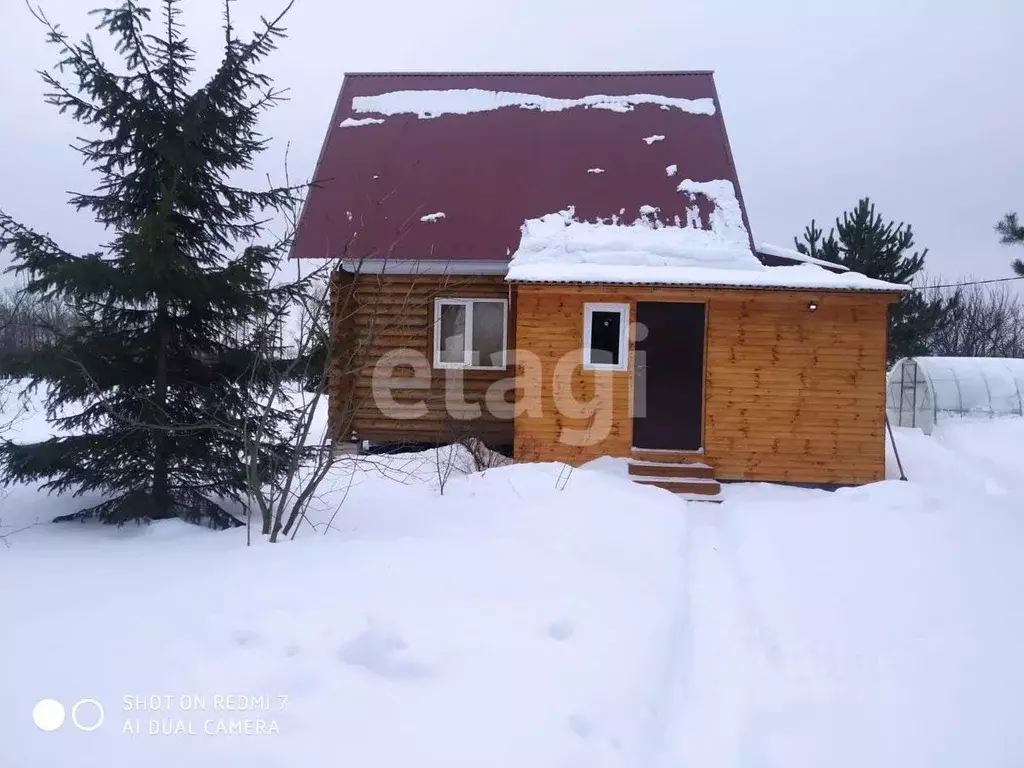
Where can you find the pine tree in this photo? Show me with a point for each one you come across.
(157, 383)
(815, 247)
(864, 243)
(1012, 233)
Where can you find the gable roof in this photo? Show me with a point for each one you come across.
(448, 167)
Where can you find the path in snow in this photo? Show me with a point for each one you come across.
(721, 645)
(676, 667)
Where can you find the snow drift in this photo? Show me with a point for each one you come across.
(533, 615)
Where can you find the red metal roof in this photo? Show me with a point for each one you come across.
(489, 171)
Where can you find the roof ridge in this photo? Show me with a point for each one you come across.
(546, 73)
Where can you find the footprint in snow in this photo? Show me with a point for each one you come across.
(560, 630)
(384, 653)
(245, 638)
(580, 725)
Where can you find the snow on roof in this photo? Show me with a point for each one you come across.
(432, 216)
(798, 277)
(523, 167)
(787, 253)
(558, 248)
(558, 241)
(354, 122)
(727, 216)
(428, 104)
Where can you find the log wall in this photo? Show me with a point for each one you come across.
(378, 315)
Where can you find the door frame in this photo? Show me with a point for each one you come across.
(704, 365)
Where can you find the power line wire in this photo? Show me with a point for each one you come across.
(972, 282)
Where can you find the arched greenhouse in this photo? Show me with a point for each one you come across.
(923, 390)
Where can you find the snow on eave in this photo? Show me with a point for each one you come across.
(801, 277)
(429, 104)
(785, 253)
(558, 242)
(559, 248)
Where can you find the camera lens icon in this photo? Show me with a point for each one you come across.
(86, 715)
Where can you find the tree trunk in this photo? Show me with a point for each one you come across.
(161, 450)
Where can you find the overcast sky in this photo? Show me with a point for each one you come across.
(915, 103)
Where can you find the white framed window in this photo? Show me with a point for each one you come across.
(471, 333)
(605, 337)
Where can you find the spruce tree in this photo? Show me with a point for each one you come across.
(1012, 233)
(863, 242)
(156, 385)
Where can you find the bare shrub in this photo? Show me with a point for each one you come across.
(987, 321)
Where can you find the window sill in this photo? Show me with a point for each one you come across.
(605, 368)
(463, 367)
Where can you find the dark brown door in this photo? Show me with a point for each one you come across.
(669, 376)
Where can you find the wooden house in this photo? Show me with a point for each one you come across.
(562, 264)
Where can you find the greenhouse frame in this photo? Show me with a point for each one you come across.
(920, 391)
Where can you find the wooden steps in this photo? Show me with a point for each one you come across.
(656, 469)
(682, 472)
(667, 457)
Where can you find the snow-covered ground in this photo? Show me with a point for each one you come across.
(528, 616)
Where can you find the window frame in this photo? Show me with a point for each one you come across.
(467, 352)
(589, 308)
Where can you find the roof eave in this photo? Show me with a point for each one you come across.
(896, 292)
(542, 73)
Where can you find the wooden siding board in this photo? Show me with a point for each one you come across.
(791, 395)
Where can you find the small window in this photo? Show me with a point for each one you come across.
(470, 333)
(605, 337)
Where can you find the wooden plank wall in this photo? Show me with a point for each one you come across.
(794, 395)
(790, 395)
(377, 314)
(573, 408)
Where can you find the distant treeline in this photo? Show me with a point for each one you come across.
(28, 323)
